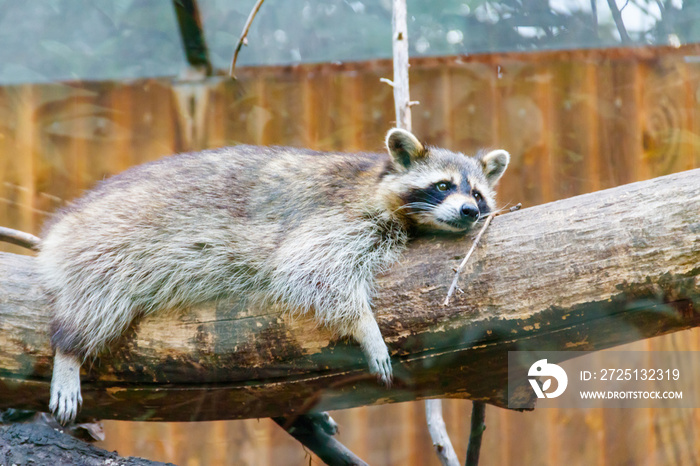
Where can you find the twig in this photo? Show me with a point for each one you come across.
(402, 100)
(438, 433)
(243, 41)
(312, 432)
(617, 17)
(594, 17)
(19, 238)
(476, 433)
(459, 270)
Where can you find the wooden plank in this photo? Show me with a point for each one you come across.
(472, 121)
(154, 124)
(23, 183)
(377, 107)
(430, 87)
(620, 123)
(574, 128)
(675, 430)
(215, 134)
(310, 116)
(693, 102)
(523, 130)
(345, 110)
(9, 166)
(668, 140)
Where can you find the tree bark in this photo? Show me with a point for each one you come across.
(41, 444)
(585, 273)
(310, 431)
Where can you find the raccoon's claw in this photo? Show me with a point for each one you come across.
(65, 388)
(382, 368)
(64, 404)
(377, 354)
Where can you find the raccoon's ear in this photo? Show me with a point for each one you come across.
(403, 147)
(494, 163)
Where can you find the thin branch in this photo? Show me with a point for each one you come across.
(617, 17)
(19, 238)
(243, 40)
(476, 433)
(459, 269)
(193, 40)
(438, 433)
(313, 431)
(594, 17)
(400, 52)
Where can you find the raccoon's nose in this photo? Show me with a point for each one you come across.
(469, 211)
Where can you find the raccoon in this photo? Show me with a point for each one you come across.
(304, 231)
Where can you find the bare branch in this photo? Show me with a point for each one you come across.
(453, 287)
(243, 41)
(19, 238)
(459, 269)
(400, 51)
(193, 40)
(312, 431)
(477, 431)
(438, 433)
(617, 17)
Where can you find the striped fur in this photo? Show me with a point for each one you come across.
(304, 231)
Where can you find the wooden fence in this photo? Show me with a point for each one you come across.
(574, 121)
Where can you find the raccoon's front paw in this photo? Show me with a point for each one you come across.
(381, 366)
(370, 338)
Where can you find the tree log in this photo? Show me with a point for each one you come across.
(584, 273)
(42, 444)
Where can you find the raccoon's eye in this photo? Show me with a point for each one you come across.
(443, 186)
(477, 195)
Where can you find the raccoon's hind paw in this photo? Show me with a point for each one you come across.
(65, 404)
(381, 366)
(65, 388)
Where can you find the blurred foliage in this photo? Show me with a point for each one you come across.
(49, 40)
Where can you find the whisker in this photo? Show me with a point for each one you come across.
(418, 206)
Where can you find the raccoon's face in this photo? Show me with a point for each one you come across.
(441, 190)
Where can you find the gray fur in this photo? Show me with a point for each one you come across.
(304, 231)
